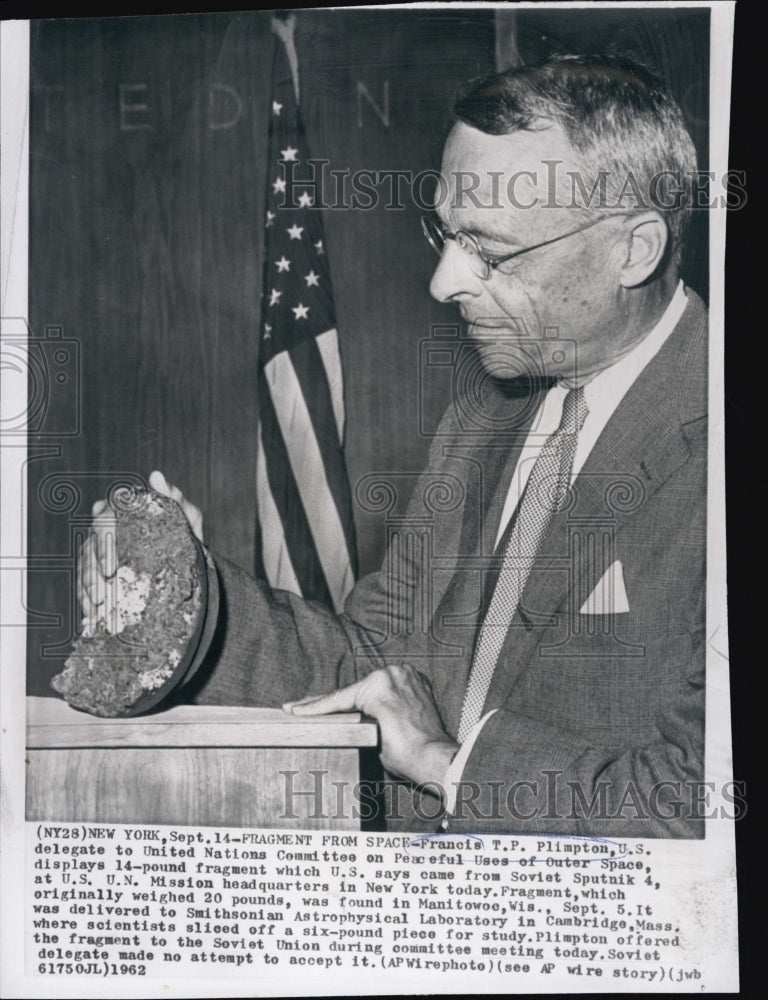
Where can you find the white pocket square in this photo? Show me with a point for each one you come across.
(609, 596)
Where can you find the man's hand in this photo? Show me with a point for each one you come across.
(414, 743)
(160, 484)
(97, 565)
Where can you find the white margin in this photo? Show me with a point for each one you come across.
(14, 220)
(14, 225)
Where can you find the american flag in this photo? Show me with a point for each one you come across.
(306, 527)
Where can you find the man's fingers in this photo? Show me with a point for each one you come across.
(104, 531)
(97, 595)
(195, 519)
(84, 578)
(160, 484)
(343, 700)
(88, 570)
(372, 695)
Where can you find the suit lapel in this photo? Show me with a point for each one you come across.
(456, 618)
(640, 448)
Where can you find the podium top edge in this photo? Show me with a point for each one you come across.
(51, 723)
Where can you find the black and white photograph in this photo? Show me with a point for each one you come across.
(363, 500)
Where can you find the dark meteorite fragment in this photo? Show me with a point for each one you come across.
(157, 593)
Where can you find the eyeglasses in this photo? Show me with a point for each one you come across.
(481, 263)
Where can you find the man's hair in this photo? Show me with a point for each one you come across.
(619, 119)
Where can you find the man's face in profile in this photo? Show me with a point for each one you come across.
(567, 290)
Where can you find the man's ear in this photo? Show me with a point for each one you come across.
(646, 243)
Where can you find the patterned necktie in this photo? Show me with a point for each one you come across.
(544, 494)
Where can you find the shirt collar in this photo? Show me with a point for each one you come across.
(610, 385)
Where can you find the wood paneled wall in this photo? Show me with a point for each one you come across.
(147, 161)
(147, 189)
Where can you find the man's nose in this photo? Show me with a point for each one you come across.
(453, 277)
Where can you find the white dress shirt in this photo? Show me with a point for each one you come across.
(602, 394)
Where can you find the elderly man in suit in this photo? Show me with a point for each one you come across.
(533, 647)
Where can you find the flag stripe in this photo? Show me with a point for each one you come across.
(310, 371)
(302, 472)
(287, 498)
(276, 558)
(310, 475)
(328, 345)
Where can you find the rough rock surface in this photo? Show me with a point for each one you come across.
(156, 596)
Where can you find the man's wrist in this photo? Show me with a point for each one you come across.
(434, 762)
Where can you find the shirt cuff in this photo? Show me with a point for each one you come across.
(456, 767)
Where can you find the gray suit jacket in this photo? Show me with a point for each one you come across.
(600, 721)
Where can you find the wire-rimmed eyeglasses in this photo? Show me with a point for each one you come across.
(483, 264)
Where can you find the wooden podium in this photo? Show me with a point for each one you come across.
(195, 765)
